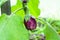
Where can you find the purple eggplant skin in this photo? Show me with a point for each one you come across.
(30, 24)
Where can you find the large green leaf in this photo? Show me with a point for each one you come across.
(33, 7)
(51, 33)
(12, 28)
(17, 7)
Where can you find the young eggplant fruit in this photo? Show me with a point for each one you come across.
(30, 24)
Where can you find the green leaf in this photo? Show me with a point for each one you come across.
(16, 7)
(12, 28)
(33, 7)
(2, 1)
(51, 33)
(56, 25)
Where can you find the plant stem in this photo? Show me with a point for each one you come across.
(25, 8)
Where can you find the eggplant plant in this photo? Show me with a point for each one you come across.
(24, 23)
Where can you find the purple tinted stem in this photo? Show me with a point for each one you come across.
(24, 1)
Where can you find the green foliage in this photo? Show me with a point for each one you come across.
(33, 7)
(12, 28)
(16, 7)
(49, 30)
(56, 23)
(51, 33)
